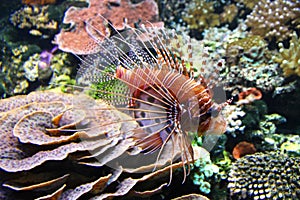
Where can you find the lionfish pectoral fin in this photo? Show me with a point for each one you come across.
(191, 152)
(148, 144)
(217, 125)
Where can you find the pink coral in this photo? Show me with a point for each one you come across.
(78, 40)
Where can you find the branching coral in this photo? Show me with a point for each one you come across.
(200, 15)
(14, 80)
(59, 67)
(289, 59)
(230, 12)
(265, 176)
(35, 19)
(85, 21)
(274, 19)
(248, 3)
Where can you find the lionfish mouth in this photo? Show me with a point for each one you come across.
(145, 74)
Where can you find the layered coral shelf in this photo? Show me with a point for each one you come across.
(50, 148)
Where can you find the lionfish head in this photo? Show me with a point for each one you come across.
(149, 75)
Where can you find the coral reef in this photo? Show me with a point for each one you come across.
(85, 21)
(249, 95)
(248, 3)
(266, 77)
(200, 15)
(267, 125)
(243, 148)
(22, 70)
(246, 51)
(38, 2)
(265, 176)
(45, 126)
(14, 80)
(248, 62)
(34, 19)
(59, 67)
(289, 59)
(234, 115)
(252, 48)
(291, 145)
(251, 122)
(203, 170)
(171, 13)
(229, 13)
(274, 19)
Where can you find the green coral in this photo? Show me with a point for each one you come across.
(224, 165)
(14, 80)
(254, 113)
(292, 148)
(286, 143)
(203, 170)
(267, 126)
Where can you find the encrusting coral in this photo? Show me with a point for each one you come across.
(243, 148)
(274, 19)
(85, 21)
(265, 176)
(45, 126)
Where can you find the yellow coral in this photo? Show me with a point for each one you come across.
(229, 13)
(35, 19)
(289, 59)
(248, 3)
(201, 15)
(248, 42)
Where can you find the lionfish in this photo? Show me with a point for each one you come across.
(142, 72)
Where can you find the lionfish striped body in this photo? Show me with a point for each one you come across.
(145, 76)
